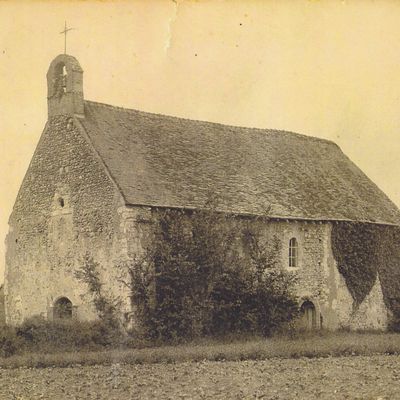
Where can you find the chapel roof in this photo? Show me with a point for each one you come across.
(165, 161)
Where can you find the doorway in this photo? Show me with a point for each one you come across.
(309, 315)
(62, 308)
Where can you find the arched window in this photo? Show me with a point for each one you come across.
(293, 253)
(60, 81)
(62, 309)
(64, 79)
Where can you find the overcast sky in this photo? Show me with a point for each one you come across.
(329, 69)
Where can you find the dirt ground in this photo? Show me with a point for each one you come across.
(364, 378)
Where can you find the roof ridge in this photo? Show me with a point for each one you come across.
(255, 129)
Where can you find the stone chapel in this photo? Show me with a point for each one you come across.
(99, 170)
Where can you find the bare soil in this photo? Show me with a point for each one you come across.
(376, 377)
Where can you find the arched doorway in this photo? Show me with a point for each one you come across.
(62, 308)
(309, 315)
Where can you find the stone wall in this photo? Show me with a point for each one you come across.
(69, 207)
(65, 92)
(318, 278)
(66, 208)
(2, 308)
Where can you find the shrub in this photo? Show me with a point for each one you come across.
(194, 279)
(37, 333)
(9, 341)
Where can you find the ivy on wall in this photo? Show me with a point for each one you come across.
(363, 251)
(389, 269)
(355, 250)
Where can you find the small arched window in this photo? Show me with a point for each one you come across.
(64, 79)
(60, 79)
(293, 253)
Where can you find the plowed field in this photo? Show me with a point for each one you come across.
(376, 377)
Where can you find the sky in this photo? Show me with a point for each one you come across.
(329, 69)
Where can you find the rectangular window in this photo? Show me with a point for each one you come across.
(293, 252)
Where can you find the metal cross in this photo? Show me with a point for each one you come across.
(65, 36)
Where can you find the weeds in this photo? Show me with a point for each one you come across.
(39, 335)
(307, 346)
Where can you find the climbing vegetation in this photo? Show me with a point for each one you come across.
(106, 306)
(364, 251)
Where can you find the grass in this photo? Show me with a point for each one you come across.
(310, 346)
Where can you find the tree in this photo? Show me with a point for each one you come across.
(207, 273)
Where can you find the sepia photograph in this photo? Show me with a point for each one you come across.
(199, 199)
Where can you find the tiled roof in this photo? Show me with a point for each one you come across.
(159, 160)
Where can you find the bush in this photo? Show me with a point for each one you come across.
(195, 280)
(39, 334)
(9, 341)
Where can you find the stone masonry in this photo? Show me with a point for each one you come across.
(67, 207)
(72, 205)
